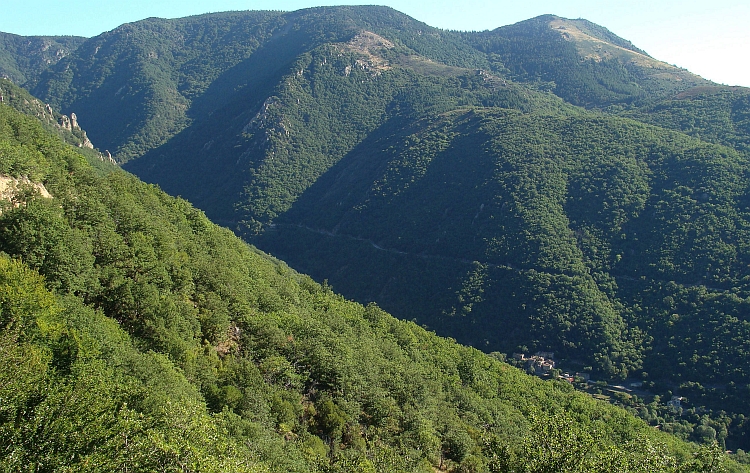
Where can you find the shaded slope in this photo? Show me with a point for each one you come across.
(23, 58)
(188, 347)
(136, 82)
(251, 158)
(146, 77)
(506, 229)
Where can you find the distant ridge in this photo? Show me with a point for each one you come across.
(545, 186)
(23, 58)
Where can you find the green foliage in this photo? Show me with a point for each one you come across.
(25, 163)
(715, 114)
(549, 208)
(581, 62)
(82, 407)
(401, 163)
(355, 142)
(23, 58)
(180, 347)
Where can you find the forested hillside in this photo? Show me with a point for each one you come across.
(543, 186)
(716, 114)
(64, 126)
(545, 216)
(152, 78)
(23, 58)
(582, 62)
(136, 335)
(625, 254)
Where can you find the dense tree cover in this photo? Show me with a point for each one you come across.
(21, 100)
(401, 163)
(326, 129)
(137, 335)
(616, 244)
(153, 77)
(142, 75)
(715, 114)
(261, 159)
(581, 62)
(23, 58)
(145, 81)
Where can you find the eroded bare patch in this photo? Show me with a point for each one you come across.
(371, 46)
(15, 190)
(591, 48)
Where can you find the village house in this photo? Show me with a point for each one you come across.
(539, 364)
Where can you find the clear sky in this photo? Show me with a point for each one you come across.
(709, 37)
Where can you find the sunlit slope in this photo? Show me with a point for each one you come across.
(582, 62)
(137, 335)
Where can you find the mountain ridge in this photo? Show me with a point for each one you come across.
(22, 58)
(583, 62)
(138, 335)
(575, 198)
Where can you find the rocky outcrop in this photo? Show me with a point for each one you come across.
(68, 123)
(11, 189)
(86, 143)
(107, 156)
(371, 47)
(65, 123)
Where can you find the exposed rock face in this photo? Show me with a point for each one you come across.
(371, 46)
(86, 142)
(69, 124)
(261, 118)
(10, 186)
(107, 156)
(65, 123)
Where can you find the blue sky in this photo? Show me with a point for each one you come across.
(710, 38)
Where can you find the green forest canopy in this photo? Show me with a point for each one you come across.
(136, 334)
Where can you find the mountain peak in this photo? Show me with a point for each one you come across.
(584, 63)
(584, 30)
(579, 29)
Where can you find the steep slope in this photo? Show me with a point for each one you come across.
(151, 78)
(614, 244)
(23, 58)
(403, 164)
(582, 62)
(717, 114)
(135, 82)
(252, 158)
(483, 208)
(67, 127)
(157, 340)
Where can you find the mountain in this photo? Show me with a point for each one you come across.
(543, 186)
(716, 114)
(23, 58)
(582, 62)
(66, 127)
(507, 229)
(154, 77)
(266, 146)
(136, 335)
